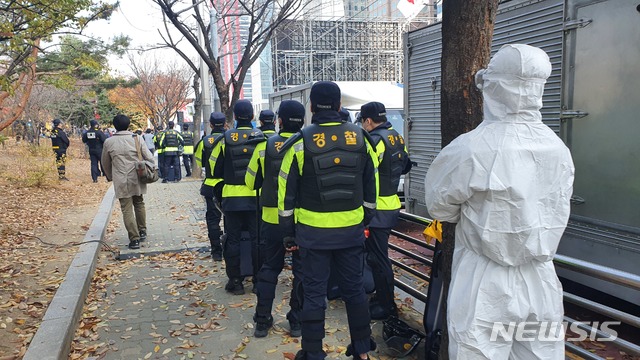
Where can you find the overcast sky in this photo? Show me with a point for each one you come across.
(140, 20)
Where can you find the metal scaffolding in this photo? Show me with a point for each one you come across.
(337, 50)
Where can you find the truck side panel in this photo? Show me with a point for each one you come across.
(537, 23)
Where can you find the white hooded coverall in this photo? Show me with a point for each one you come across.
(507, 185)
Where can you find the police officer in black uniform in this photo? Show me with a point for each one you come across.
(267, 122)
(94, 138)
(229, 160)
(394, 161)
(262, 173)
(187, 154)
(170, 142)
(59, 144)
(212, 186)
(328, 177)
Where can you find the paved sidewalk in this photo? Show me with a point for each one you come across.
(172, 305)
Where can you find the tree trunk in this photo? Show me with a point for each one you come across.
(9, 115)
(467, 30)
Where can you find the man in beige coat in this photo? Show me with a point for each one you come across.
(119, 158)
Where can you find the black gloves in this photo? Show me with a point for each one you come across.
(369, 214)
(289, 242)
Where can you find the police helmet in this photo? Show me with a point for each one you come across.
(399, 337)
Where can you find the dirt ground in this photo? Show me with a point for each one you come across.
(41, 222)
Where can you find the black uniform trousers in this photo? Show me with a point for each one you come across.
(96, 163)
(213, 216)
(171, 163)
(187, 160)
(377, 245)
(61, 159)
(316, 267)
(241, 243)
(161, 170)
(273, 253)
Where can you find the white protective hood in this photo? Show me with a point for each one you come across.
(507, 185)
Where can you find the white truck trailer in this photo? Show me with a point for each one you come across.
(591, 100)
(354, 95)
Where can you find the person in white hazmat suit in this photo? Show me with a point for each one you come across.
(507, 185)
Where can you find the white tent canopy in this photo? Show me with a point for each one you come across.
(358, 93)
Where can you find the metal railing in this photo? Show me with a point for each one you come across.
(580, 266)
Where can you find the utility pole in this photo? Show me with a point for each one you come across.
(204, 81)
(213, 26)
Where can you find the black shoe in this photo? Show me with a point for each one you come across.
(295, 329)
(95, 180)
(263, 324)
(379, 312)
(164, 181)
(235, 287)
(143, 235)
(350, 351)
(134, 244)
(216, 255)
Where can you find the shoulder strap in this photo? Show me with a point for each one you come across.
(138, 147)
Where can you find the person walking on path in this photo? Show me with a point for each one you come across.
(59, 144)
(262, 174)
(393, 162)
(507, 185)
(328, 179)
(148, 140)
(187, 153)
(229, 160)
(170, 142)
(94, 138)
(119, 159)
(211, 187)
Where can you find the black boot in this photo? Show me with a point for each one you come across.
(263, 324)
(235, 286)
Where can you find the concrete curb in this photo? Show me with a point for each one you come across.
(54, 336)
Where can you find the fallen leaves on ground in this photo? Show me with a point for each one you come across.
(38, 217)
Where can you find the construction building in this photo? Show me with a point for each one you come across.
(350, 40)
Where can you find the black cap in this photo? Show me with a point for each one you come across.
(185, 126)
(243, 110)
(266, 116)
(325, 95)
(93, 123)
(291, 112)
(56, 122)
(171, 125)
(373, 110)
(217, 118)
(344, 115)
